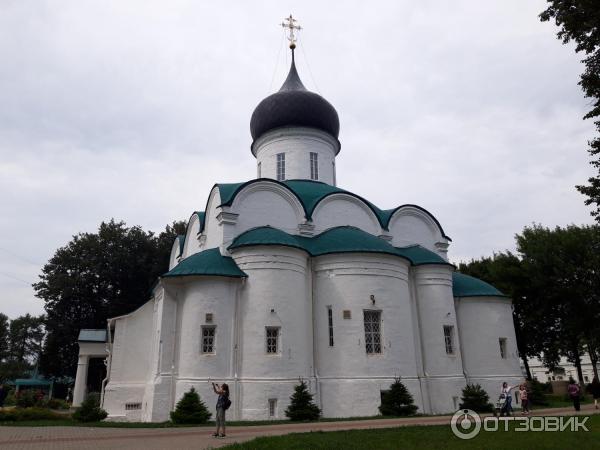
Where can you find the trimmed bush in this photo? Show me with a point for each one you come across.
(90, 410)
(190, 409)
(397, 401)
(537, 394)
(476, 398)
(302, 406)
(23, 414)
(26, 399)
(58, 403)
(11, 399)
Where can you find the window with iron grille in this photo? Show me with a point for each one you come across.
(272, 407)
(280, 166)
(330, 325)
(502, 342)
(449, 339)
(132, 406)
(272, 340)
(372, 331)
(208, 339)
(314, 166)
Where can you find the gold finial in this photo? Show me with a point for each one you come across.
(290, 24)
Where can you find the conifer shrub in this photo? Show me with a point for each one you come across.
(474, 397)
(397, 401)
(90, 410)
(537, 393)
(302, 406)
(190, 409)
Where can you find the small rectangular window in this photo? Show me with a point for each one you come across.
(272, 340)
(502, 342)
(372, 320)
(132, 406)
(272, 407)
(280, 166)
(208, 339)
(347, 314)
(330, 325)
(314, 166)
(449, 339)
(258, 171)
(208, 318)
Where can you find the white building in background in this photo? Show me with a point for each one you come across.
(288, 276)
(563, 372)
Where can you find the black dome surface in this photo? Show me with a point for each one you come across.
(294, 105)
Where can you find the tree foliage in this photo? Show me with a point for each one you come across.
(397, 401)
(190, 409)
(20, 345)
(579, 21)
(94, 277)
(302, 406)
(90, 410)
(475, 398)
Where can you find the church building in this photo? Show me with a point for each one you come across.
(287, 276)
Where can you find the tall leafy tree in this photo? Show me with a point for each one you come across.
(579, 21)
(94, 277)
(4, 327)
(22, 339)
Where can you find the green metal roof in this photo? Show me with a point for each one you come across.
(468, 286)
(33, 382)
(201, 216)
(336, 240)
(310, 193)
(90, 335)
(207, 263)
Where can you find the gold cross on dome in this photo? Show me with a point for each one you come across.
(290, 24)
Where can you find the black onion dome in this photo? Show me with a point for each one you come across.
(294, 105)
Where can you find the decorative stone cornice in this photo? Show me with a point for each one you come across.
(306, 229)
(227, 218)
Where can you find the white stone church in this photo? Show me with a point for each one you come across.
(288, 276)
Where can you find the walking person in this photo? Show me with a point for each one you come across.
(524, 399)
(223, 403)
(574, 392)
(596, 391)
(505, 393)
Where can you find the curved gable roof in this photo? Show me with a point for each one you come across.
(181, 240)
(336, 240)
(206, 263)
(468, 286)
(388, 213)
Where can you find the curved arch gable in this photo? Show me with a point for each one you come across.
(211, 229)
(267, 203)
(175, 253)
(191, 244)
(410, 224)
(391, 213)
(345, 209)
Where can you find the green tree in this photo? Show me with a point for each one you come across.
(90, 410)
(94, 277)
(397, 401)
(190, 409)
(302, 406)
(21, 339)
(4, 327)
(476, 399)
(579, 21)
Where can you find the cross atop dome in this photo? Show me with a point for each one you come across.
(291, 24)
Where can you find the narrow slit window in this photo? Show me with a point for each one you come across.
(272, 340)
(502, 342)
(372, 320)
(208, 339)
(272, 407)
(330, 325)
(258, 170)
(449, 339)
(280, 166)
(314, 166)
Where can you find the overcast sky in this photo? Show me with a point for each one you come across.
(133, 110)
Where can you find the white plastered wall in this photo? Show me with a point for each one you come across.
(297, 143)
(350, 379)
(409, 225)
(482, 321)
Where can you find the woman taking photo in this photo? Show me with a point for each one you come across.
(223, 404)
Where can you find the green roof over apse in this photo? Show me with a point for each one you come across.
(207, 263)
(336, 240)
(468, 286)
(310, 193)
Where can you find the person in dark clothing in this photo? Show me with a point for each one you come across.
(223, 403)
(596, 391)
(3, 394)
(574, 392)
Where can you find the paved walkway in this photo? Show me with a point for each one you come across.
(196, 438)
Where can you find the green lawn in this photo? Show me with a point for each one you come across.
(427, 437)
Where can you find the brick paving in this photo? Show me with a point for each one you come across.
(67, 438)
